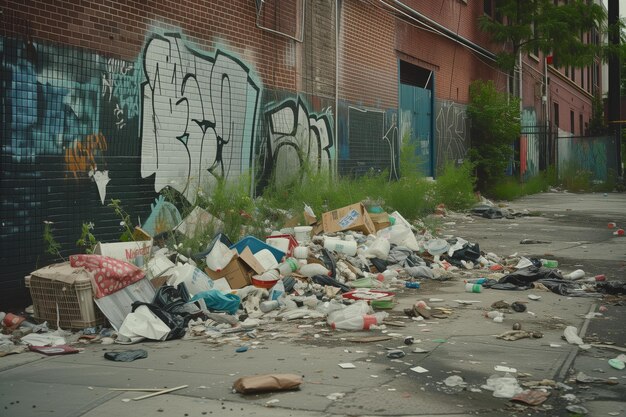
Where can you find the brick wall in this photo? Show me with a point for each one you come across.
(107, 100)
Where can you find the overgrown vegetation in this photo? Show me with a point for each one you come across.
(87, 241)
(52, 246)
(495, 126)
(125, 223)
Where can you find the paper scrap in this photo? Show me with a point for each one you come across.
(419, 369)
(347, 365)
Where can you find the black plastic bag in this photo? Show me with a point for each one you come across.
(326, 280)
(176, 323)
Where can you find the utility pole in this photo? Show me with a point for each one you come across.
(614, 83)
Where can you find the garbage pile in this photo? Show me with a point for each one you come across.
(345, 268)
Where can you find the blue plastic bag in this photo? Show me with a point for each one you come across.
(216, 300)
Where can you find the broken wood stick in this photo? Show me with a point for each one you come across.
(165, 391)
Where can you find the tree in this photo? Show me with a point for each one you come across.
(541, 26)
(495, 126)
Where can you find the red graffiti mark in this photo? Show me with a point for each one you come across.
(80, 157)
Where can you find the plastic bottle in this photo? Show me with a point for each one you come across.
(342, 246)
(269, 305)
(411, 284)
(219, 256)
(363, 322)
(473, 287)
(574, 275)
(550, 263)
(310, 270)
(480, 281)
(290, 265)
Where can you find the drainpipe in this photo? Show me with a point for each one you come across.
(336, 167)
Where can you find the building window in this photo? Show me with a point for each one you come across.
(488, 7)
(571, 121)
(555, 114)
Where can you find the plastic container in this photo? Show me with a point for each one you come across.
(219, 256)
(469, 287)
(574, 275)
(411, 284)
(285, 243)
(303, 233)
(290, 265)
(267, 279)
(301, 252)
(347, 247)
(76, 308)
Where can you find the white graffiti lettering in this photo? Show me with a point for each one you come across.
(199, 113)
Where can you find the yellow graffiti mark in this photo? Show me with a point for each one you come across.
(80, 157)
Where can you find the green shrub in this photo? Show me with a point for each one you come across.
(455, 187)
(495, 127)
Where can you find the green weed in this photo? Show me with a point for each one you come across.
(455, 187)
(87, 240)
(52, 246)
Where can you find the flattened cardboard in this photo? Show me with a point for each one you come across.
(380, 220)
(352, 217)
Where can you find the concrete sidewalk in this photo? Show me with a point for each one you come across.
(464, 344)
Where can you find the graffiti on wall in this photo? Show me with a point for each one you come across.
(581, 154)
(51, 99)
(297, 137)
(120, 85)
(372, 142)
(529, 145)
(452, 132)
(199, 113)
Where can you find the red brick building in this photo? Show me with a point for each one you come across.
(107, 100)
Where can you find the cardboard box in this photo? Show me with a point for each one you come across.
(124, 251)
(380, 220)
(352, 217)
(239, 270)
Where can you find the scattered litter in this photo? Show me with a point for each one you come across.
(617, 364)
(577, 409)
(534, 297)
(267, 383)
(347, 365)
(126, 356)
(336, 396)
(164, 391)
(503, 386)
(501, 368)
(454, 381)
(419, 369)
(532, 397)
